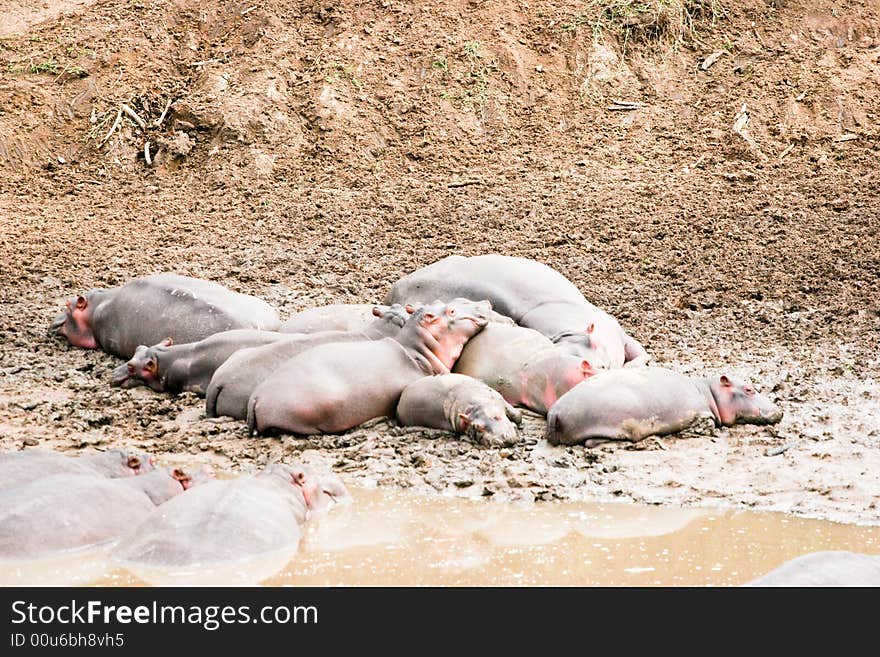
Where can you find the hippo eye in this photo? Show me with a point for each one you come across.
(749, 390)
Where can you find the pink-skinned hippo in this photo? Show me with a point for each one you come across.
(73, 511)
(632, 404)
(461, 404)
(167, 367)
(235, 380)
(231, 520)
(523, 365)
(147, 310)
(335, 317)
(19, 468)
(828, 568)
(534, 295)
(334, 387)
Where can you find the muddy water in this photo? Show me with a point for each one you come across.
(387, 538)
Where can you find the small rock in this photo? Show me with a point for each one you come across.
(839, 204)
(463, 483)
(31, 442)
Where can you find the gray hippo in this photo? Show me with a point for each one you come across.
(335, 317)
(523, 365)
(825, 569)
(531, 293)
(229, 521)
(20, 468)
(74, 511)
(334, 387)
(461, 404)
(632, 404)
(149, 309)
(235, 380)
(167, 367)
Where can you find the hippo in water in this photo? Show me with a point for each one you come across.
(534, 295)
(632, 404)
(828, 568)
(235, 380)
(523, 365)
(147, 310)
(334, 387)
(230, 520)
(167, 367)
(461, 404)
(74, 511)
(19, 468)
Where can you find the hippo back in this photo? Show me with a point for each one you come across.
(20, 468)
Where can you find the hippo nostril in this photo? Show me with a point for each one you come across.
(134, 463)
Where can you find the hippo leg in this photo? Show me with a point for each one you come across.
(513, 414)
(635, 354)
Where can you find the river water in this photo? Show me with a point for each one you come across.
(397, 538)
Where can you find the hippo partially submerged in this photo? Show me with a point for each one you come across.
(334, 387)
(230, 520)
(147, 310)
(830, 568)
(531, 293)
(167, 367)
(20, 468)
(632, 404)
(232, 384)
(523, 365)
(74, 511)
(459, 403)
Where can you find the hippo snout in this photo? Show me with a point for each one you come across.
(55, 328)
(771, 416)
(121, 377)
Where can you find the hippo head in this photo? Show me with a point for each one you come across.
(396, 313)
(585, 345)
(75, 322)
(128, 463)
(740, 403)
(490, 424)
(142, 368)
(317, 492)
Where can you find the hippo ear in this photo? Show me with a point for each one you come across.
(409, 308)
(377, 311)
(464, 421)
(725, 381)
(167, 342)
(81, 302)
(591, 328)
(586, 368)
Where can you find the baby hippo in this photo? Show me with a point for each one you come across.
(632, 404)
(20, 468)
(227, 521)
(167, 367)
(74, 511)
(461, 404)
(523, 365)
(334, 387)
(149, 309)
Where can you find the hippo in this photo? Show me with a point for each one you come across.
(75, 511)
(334, 387)
(235, 380)
(167, 367)
(147, 310)
(633, 404)
(19, 468)
(335, 317)
(828, 568)
(461, 404)
(231, 520)
(534, 295)
(523, 365)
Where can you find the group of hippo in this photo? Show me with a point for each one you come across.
(52, 505)
(458, 345)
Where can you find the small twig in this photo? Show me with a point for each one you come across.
(463, 183)
(134, 117)
(711, 59)
(147, 158)
(659, 443)
(205, 61)
(249, 10)
(112, 127)
(164, 112)
(786, 151)
(781, 449)
(847, 137)
(624, 105)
